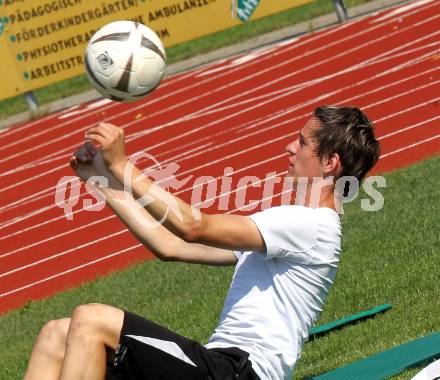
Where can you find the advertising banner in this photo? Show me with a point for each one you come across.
(43, 41)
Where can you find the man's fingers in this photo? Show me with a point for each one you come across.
(106, 134)
(108, 127)
(99, 130)
(112, 130)
(98, 138)
(105, 128)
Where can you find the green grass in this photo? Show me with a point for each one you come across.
(390, 256)
(186, 50)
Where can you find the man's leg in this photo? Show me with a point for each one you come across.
(48, 353)
(93, 329)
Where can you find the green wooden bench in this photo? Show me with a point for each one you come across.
(389, 362)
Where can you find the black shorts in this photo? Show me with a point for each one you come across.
(148, 351)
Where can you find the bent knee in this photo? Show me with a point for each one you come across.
(53, 337)
(87, 317)
(98, 321)
(55, 330)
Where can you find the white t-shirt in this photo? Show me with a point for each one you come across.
(276, 295)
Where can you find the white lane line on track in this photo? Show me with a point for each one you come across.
(91, 106)
(240, 60)
(412, 108)
(338, 41)
(284, 91)
(277, 125)
(196, 84)
(433, 83)
(410, 146)
(48, 192)
(235, 172)
(20, 128)
(172, 79)
(28, 199)
(400, 10)
(48, 258)
(284, 77)
(229, 212)
(13, 291)
(132, 137)
(61, 217)
(255, 203)
(400, 66)
(27, 180)
(188, 171)
(408, 128)
(18, 219)
(21, 249)
(51, 160)
(74, 249)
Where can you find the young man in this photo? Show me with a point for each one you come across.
(285, 257)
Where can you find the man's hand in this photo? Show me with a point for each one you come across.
(111, 140)
(87, 162)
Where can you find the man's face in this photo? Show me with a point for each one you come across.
(303, 160)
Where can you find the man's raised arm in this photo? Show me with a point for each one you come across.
(162, 243)
(184, 220)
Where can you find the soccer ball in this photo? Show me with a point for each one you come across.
(125, 61)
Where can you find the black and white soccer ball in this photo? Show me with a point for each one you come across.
(125, 61)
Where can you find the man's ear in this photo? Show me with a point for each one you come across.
(332, 165)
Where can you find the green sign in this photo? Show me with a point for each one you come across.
(244, 9)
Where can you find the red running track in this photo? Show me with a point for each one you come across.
(238, 113)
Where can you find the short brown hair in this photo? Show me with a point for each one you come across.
(349, 133)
